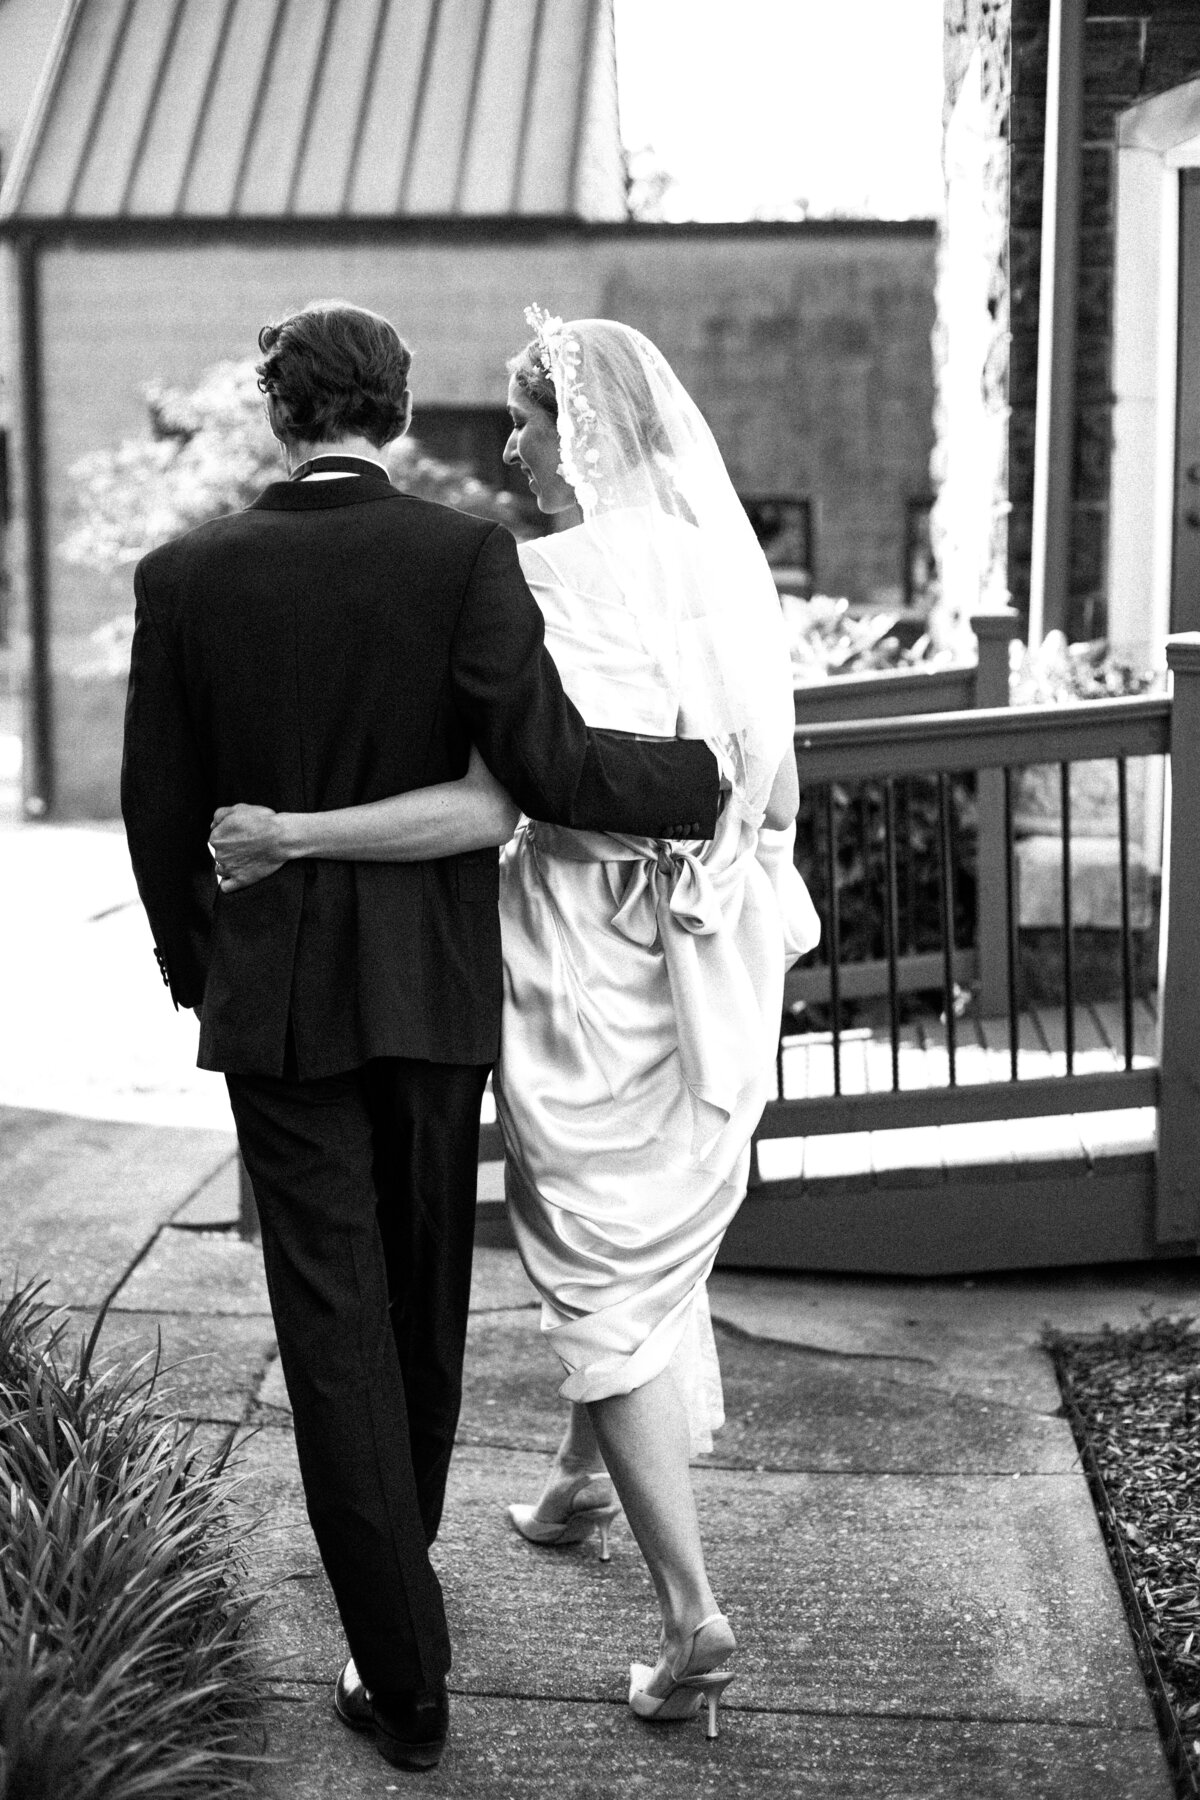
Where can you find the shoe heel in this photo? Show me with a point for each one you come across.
(711, 1688)
(605, 1522)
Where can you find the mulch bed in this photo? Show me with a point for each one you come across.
(1133, 1399)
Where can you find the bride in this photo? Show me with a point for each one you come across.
(643, 979)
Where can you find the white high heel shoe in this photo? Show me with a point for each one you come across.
(693, 1680)
(578, 1523)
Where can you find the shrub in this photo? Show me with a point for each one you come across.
(828, 639)
(124, 1670)
(1057, 672)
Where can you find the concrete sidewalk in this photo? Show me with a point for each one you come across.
(894, 1516)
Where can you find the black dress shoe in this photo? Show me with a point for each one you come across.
(410, 1728)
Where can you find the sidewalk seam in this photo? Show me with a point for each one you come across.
(106, 1303)
(1038, 1721)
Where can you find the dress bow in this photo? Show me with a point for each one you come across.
(677, 885)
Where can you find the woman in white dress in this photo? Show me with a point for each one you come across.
(643, 979)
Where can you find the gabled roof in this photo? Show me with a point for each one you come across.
(324, 109)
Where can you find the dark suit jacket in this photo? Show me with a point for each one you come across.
(338, 642)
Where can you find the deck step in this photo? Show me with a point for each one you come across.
(995, 1150)
(939, 1162)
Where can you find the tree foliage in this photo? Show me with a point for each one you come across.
(208, 451)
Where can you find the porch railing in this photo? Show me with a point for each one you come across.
(901, 693)
(992, 744)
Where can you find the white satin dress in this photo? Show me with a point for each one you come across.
(643, 985)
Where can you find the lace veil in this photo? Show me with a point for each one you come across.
(659, 508)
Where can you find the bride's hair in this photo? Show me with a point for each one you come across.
(529, 371)
(638, 431)
(661, 515)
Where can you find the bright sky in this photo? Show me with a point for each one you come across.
(760, 106)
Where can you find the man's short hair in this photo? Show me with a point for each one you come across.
(336, 371)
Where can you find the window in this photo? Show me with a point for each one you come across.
(784, 527)
(918, 555)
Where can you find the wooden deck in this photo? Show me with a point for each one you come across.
(942, 1199)
(982, 1050)
(844, 1200)
(935, 1153)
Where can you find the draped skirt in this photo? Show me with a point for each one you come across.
(643, 990)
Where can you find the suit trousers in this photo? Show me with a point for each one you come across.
(366, 1184)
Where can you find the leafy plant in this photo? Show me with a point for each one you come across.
(827, 638)
(1056, 671)
(125, 1673)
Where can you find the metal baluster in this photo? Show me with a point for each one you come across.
(1064, 779)
(952, 838)
(946, 896)
(1010, 900)
(1126, 930)
(911, 909)
(891, 921)
(864, 830)
(835, 936)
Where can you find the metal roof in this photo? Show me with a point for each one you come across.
(324, 109)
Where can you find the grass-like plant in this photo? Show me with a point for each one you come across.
(125, 1673)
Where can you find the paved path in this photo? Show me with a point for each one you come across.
(895, 1518)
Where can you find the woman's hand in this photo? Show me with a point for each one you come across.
(445, 819)
(247, 844)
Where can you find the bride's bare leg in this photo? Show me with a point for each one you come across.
(580, 1448)
(578, 1454)
(646, 1444)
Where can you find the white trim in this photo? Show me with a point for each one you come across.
(1161, 123)
(1131, 598)
(1184, 156)
(1161, 471)
(1154, 141)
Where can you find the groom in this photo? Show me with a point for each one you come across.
(337, 642)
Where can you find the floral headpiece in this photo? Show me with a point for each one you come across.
(560, 355)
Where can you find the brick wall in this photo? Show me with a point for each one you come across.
(807, 346)
(1133, 49)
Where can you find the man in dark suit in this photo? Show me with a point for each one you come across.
(338, 642)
